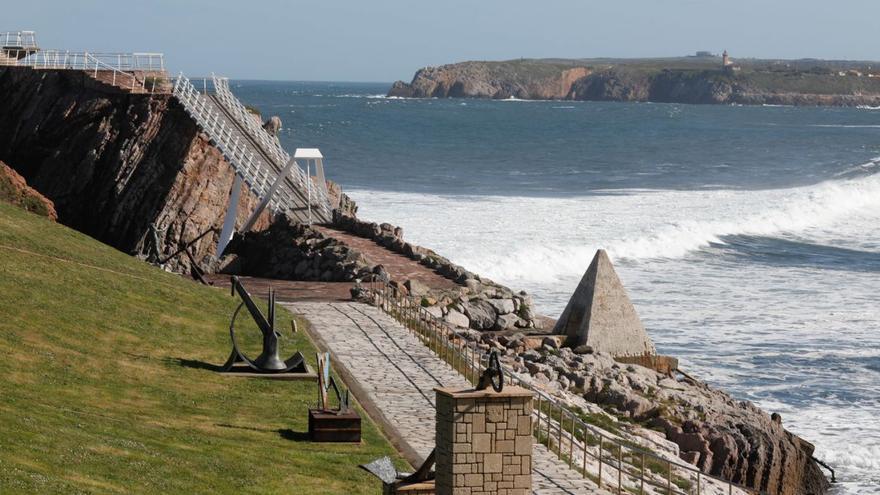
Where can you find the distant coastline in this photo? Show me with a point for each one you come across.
(703, 79)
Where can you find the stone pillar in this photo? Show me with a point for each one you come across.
(484, 442)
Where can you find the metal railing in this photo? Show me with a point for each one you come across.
(236, 138)
(613, 463)
(66, 59)
(117, 69)
(18, 39)
(267, 142)
(228, 140)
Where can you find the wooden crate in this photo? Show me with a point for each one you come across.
(328, 426)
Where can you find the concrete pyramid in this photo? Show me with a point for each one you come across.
(601, 315)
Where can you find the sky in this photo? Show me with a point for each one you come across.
(386, 40)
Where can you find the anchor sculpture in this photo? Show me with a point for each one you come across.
(268, 361)
(493, 375)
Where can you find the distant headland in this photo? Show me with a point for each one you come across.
(703, 78)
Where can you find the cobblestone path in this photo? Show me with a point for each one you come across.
(394, 375)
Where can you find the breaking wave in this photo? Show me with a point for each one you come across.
(800, 209)
(557, 237)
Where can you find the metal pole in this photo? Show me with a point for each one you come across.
(668, 478)
(309, 186)
(585, 451)
(619, 468)
(601, 441)
(229, 222)
(559, 447)
(642, 476)
(571, 442)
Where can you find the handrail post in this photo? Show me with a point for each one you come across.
(601, 442)
(642, 476)
(619, 468)
(559, 447)
(585, 451)
(668, 477)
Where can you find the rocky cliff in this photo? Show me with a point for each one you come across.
(497, 80)
(539, 80)
(131, 170)
(708, 428)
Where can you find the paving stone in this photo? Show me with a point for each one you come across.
(400, 374)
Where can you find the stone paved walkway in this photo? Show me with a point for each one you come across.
(398, 266)
(393, 375)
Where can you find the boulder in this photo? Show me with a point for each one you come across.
(505, 322)
(435, 311)
(473, 284)
(455, 318)
(381, 274)
(416, 288)
(273, 125)
(502, 306)
(480, 313)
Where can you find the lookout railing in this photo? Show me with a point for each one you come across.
(612, 462)
(124, 70)
(18, 39)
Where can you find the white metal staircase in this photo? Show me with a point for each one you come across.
(255, 155)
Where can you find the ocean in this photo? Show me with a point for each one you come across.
(748, 237)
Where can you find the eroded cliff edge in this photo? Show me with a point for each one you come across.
(130, 170)
(548, 80)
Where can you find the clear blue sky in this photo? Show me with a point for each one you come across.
(385, 40)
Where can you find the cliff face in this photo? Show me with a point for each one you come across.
(131, 170)
(553, 81)
(522, 80)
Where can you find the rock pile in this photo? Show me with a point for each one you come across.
(478, 303)
(720, 435)
(293, 251)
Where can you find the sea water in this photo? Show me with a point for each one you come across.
(748, 237)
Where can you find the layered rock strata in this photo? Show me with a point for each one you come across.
(558, 80)
(131, 170)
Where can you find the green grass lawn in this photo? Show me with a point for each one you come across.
(107, 386)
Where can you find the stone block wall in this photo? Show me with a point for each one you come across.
(484, 442)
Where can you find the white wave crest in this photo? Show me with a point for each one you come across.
(523, 240)
(801, 209)
(372, 97)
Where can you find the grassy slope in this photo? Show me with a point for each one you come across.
(102, 390)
